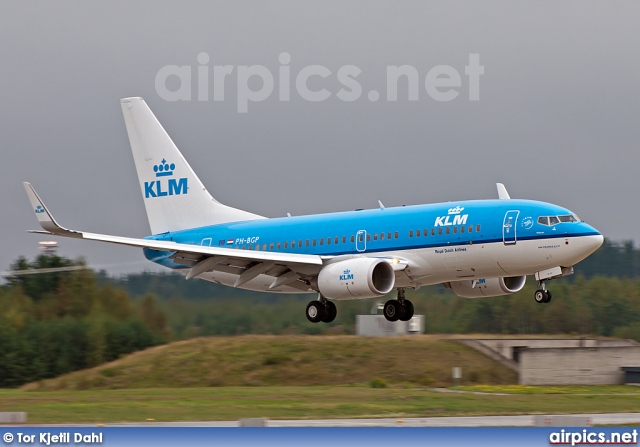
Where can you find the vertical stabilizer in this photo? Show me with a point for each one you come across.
(174, 197)
(502, 192)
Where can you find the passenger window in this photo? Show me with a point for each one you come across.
(417, 232)
(300, 243)
(306, 243)
(293, 244)
(286, 245)
(410, 233)
(478, 228)
(455, 230)
(447, 230)
(360, 237)
(440, 231)
(271, 246)
(352, 239)
(433, 232)
(335, 240)
(375, 236)
(553, 220)
(470, 228)
(368, 237)
(389, 235)
(321, 241)
(382, 236)
(461, 229)
(328, 241)
(395, 235)
(344, 239)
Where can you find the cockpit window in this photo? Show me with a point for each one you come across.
(555, 220)
(569, 218)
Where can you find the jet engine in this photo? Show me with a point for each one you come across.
(487, 287)
(356, 278)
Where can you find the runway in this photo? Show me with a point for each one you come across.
(461, 421)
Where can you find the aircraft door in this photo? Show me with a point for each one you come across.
(361, 240)
(509, 227)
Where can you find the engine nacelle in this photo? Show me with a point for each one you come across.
(487, 287)
(356, 278)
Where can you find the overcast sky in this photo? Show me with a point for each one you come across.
(558, 115)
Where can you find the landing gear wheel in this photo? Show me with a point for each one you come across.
(392, 310)
(315, 311)
(330, 312)
(406, 313)
(542, 296)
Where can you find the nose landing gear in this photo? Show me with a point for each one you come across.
(542, 295)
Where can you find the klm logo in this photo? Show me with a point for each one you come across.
(346, 276)
(452, 218)
(39, 209)
(165, 187)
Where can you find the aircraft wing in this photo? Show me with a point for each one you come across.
(248, 264)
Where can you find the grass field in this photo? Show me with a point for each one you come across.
(301, 377)
(264, 360)
(232, 403)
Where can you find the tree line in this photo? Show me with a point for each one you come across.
(54, 323)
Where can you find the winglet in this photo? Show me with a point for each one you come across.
(502, 192)
(45, 219)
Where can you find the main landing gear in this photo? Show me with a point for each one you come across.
(542, 295)
(400, 309)
(321, 310)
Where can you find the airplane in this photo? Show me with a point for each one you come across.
(476, 248)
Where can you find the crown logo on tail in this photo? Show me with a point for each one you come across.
(164, 169)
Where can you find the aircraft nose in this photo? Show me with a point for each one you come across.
(597, 241)
(594, 241)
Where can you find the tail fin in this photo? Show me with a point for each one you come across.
(174, 196)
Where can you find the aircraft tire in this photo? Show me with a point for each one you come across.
(315, 311)
(330, 312)
(407, 311)
(548, 296)
(540, 296)
(392, 310)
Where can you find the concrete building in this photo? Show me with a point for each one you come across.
(563, 361)
(378, 326)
